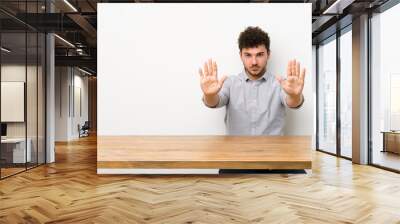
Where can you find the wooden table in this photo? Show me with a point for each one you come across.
(200, 154)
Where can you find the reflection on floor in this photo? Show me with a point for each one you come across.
(347, 152)
(10, 169)
(386, 159)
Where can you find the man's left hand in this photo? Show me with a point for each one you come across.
(294, 82)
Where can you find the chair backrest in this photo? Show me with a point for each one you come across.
(86, 124)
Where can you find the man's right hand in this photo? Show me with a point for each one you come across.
(209, 79)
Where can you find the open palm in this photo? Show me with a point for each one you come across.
(209, 82)
(294, 82)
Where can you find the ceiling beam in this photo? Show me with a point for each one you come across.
(337, 6)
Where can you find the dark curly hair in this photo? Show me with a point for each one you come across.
(253, 37)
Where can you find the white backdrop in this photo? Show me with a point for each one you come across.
(149, 55)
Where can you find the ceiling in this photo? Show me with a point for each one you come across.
(76, 22)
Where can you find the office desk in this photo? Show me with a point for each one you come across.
(200, 154)
(16, 151)
(391, 141)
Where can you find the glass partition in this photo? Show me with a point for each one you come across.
(22, 67)
(385, 89)
(13, 109)
(327, 96)
(346, 94)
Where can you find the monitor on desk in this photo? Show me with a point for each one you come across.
(3, 130)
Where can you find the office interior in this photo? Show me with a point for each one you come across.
(48, 91)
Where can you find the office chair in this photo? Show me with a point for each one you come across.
(84, 130)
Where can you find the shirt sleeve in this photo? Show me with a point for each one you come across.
(223, 95)
(283, 99)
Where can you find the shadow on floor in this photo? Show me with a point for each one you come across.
(242, 171)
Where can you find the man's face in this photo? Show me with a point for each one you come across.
(254, 60)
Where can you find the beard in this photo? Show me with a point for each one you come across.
(254, 73)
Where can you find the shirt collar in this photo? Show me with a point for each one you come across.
(243, 75)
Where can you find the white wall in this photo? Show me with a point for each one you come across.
(68, 81)
(61, 103)
(149, 55)
(80, 84)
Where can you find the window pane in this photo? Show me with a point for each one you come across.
(386, 89)
(13, 148)
(31, 100)
(327, 97)
(41, 98)
(346, 94)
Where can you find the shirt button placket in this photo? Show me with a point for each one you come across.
(254, 106)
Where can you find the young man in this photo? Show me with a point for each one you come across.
(255, 100)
